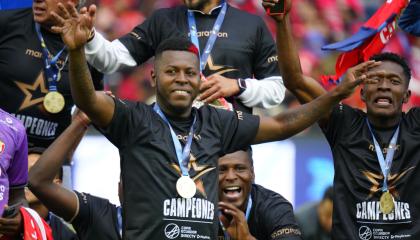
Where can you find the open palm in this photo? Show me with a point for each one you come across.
(74, 27)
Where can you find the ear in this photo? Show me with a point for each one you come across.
(252, 175)
(406, 97)
(362, 94)
(57, 181)
(153, 75)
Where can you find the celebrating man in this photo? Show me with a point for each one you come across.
(374, 152)
(169, 150)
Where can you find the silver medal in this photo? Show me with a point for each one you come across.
(185, 187)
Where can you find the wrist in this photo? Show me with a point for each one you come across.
(81, 121)
(241, 86)
(91, 35)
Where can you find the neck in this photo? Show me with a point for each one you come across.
(175, 114)
(40, 209)
(384, 122)
(209, 6)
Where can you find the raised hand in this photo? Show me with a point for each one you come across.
(75, 28)
(354, 77)
(270, 3)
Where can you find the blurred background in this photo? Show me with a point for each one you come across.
(299, 168)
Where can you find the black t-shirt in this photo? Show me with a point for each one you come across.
(271, 216)
(59, 229)
(244, 47)
(152, 208)
(358, 178)
(22, 83)
(97, 218)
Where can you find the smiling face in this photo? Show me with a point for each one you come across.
(386, 92)
(236, 175)
(177, 80)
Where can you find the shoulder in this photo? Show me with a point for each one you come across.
(268, 196)
(169, 12)
(15, 18)
(12, 123)
(244, 16)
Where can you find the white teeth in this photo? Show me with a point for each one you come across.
(233, 188)
(181, 92)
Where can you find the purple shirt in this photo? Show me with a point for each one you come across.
(13, 156)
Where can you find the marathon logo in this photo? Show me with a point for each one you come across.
(37, 126)
(195, 208)
(208, 34)
(371, 211)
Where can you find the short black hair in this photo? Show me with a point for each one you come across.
(176, 44)
(328, 194)
(392, 57)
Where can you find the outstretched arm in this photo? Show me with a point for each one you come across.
(97, 105)
(57, 198)
(293, 121)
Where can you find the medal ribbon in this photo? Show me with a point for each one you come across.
(119, 220)
(182, 154)
(51, 70)
(247, 213)
(212, 39)
(385, 163)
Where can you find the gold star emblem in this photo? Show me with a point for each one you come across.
(28, 90)
(218, 69)
(199, 172)
(377, 179)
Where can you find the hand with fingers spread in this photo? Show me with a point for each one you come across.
(237, 227)
(75, 28)
(354, 77)
(270, 3)
(216, 86)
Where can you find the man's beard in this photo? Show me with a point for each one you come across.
(198, 5)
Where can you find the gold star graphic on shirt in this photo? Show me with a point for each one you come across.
(377, 179)
(199, 172)
(218, 69)
(28, 90)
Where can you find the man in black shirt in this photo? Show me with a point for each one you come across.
(24, 83)
(92, 217)
(59, 230)
(375, 196)
(170, 190)
(255, 212)
(242, 65)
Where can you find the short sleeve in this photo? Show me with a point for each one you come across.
(127, 119)
(143, 40)
(265, 60)
(238, 129)
(280, 221)
(18, 170)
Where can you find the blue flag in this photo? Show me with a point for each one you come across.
(15, 4)
(410, 19)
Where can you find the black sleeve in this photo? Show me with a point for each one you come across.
(128, 118)
(143, 40)
(265, 59)
(280, 220)
(88, 206)
(238, 129)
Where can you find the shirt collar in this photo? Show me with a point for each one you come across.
(213, 11)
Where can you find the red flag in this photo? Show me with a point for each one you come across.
(383, 25)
